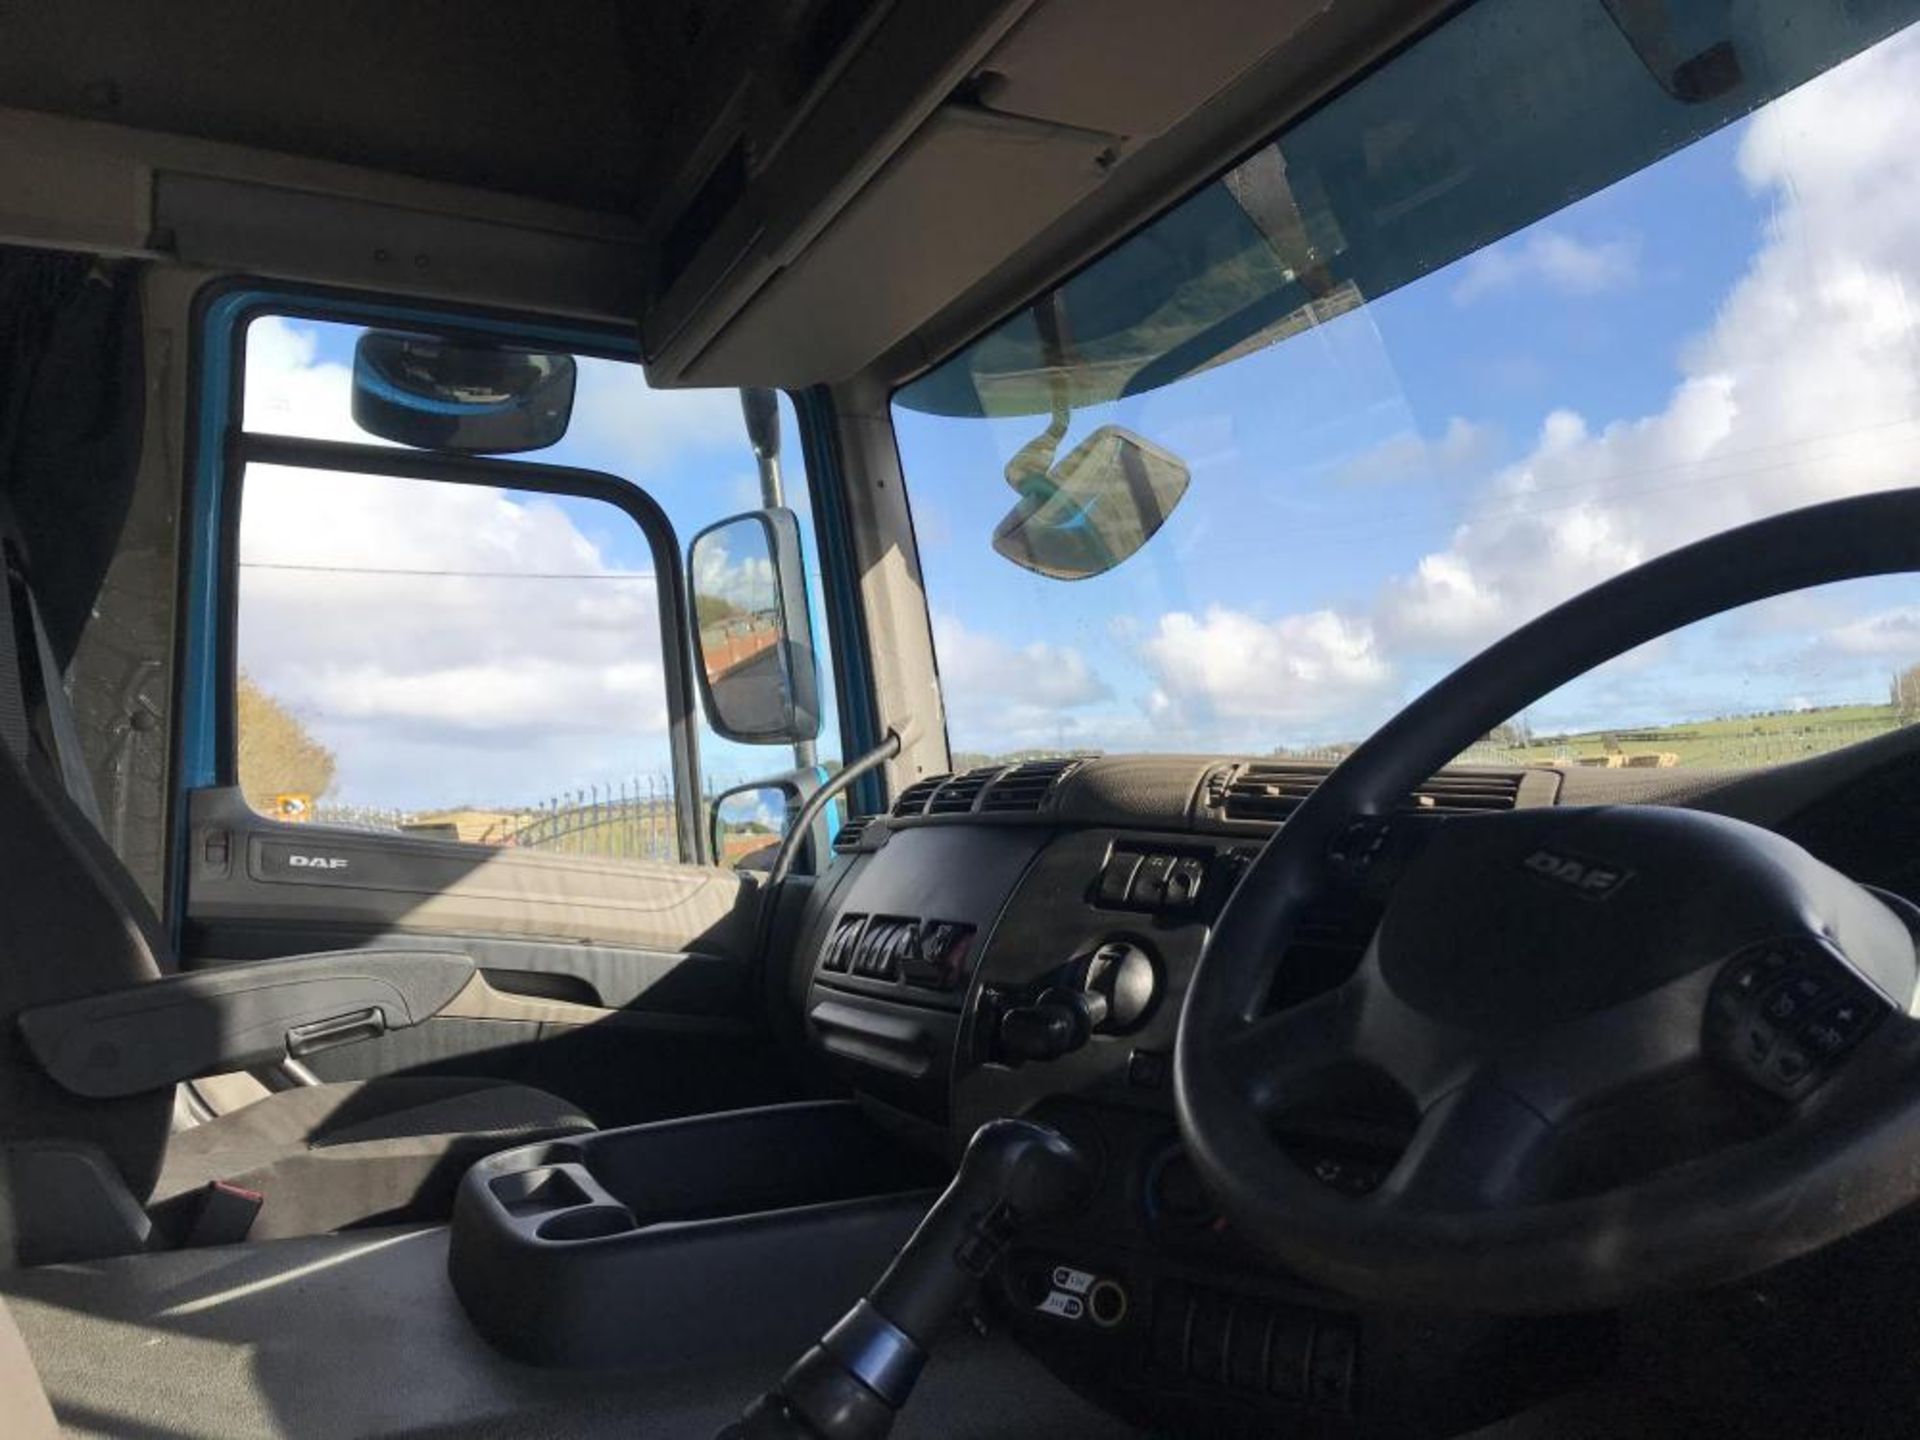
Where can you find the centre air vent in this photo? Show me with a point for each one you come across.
(1024, 789)
(990, 790)
(957, 796)
(1268, 790)
(913, 799)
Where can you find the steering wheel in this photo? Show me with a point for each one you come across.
(1628, 1049)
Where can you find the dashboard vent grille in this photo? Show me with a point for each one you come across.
(1024, 789)
(1267, 791)
(847, 837)
(913, 800)
(1468, 792)
(957, 796)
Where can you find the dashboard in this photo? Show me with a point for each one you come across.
(1017, 940)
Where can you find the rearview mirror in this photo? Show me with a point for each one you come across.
(749, 822)
(752, 639)
(1092, 510)
(460, 396)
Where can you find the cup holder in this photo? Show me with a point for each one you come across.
(529, 1192)
(588, 1222)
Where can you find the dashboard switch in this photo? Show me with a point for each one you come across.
(1289, 1351)
(1785, 1013)
(1149, 890)
(1184, 882)
(1116, 880)
(1330, 1381)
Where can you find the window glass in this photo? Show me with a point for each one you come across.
(1419, 397)
(1785, 679)
(473, 662)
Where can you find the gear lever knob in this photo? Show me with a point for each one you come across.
(852, 1384)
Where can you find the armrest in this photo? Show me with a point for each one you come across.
(177, 1027)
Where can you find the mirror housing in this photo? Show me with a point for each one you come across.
(462, 397)
(747, 823)
(752, 639)
(760, 407)
(1095, 508)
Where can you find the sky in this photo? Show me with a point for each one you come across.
(1725, 335)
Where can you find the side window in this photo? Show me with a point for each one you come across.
(452, 660)
(473, 661)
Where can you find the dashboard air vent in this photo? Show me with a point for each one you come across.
(1269, 792)
(1468, 792)
(1024, 789)
(956, 797)
(1272, 791)
(847, 837)
(913, 799)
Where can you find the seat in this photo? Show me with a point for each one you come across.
(74, 924)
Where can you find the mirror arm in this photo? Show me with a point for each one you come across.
(802, 825)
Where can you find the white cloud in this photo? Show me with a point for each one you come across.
(288, 393)
(1894, 633)
(1055, 676)
(746, 583)
(1411, 456)
(1803, 389)
(615, 411)
(1016, 696)
(1238, 679)
(430, 659)
(1550, 259)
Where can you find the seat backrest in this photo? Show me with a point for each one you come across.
(72, 923)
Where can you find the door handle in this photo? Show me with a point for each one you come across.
(318, 1035)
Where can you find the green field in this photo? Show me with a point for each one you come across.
(1726, 743)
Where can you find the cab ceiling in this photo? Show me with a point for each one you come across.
(778, 191)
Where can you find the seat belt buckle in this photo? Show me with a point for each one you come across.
(227, 1213)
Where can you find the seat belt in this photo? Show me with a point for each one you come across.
(14, 733)
(17, 603)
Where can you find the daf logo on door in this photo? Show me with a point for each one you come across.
(1583, 877)
(317, 862)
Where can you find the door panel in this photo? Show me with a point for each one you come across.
(624, 986)
(248, 868)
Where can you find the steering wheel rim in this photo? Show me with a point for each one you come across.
(1842, 1161)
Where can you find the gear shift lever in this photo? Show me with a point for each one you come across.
(852, 1384)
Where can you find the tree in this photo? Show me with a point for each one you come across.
(712, 609)
(277, 755)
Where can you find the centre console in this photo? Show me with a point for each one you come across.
(731, 1235)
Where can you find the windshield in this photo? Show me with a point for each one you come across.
(1556, 290)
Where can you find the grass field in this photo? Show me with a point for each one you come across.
(1729, 743)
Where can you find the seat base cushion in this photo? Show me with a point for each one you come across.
(368, 1152)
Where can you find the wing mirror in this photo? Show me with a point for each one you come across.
(1092, 510)
(460, 396)
(753, 643)
(748, 823)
